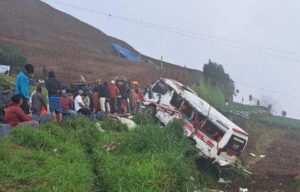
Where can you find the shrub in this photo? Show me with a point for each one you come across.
(143, 119)
(13, 57)
(113, 125)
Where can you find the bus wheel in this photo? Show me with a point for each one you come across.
(150, 109)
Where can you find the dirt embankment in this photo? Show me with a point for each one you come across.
(52, 39)
(276, 164)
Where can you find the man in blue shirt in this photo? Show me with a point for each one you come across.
(22, 86)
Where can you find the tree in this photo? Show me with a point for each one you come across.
(12, 57)
(215, 75)
(258, 102)
(270, 107)
(283, 113)
(250, 98)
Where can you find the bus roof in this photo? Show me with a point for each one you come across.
(203, 107)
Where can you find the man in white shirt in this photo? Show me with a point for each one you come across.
(79, 105)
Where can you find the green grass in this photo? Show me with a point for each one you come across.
(78, 157)
(211, 94)
(280, 121)
(37, 160)
(237, 107)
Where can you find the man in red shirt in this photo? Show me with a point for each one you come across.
(14, 115)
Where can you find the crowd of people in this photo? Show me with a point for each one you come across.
(18, 107)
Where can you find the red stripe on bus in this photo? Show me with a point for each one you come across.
(204, 138)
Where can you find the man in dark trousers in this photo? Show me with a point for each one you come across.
(22, 86)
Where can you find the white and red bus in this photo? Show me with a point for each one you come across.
(216, 137)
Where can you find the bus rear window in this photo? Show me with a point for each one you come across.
(236, 144)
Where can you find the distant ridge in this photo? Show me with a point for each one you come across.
(55, 40)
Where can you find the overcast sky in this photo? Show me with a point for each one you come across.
(256, 41)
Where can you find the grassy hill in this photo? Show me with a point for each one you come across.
(78, 157)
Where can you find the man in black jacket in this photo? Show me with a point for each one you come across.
(54, 89)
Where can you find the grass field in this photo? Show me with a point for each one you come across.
(280, 121)
(244, 108)
(78, 157)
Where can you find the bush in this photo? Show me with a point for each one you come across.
(113, 125)
(13, 57)
(211, 94)
(149, 158)
(143, 119)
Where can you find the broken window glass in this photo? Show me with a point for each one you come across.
(212, 131)
(186, 109)
(176, 100)
(198, 120)
(160, 88)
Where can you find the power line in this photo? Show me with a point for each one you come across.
(267, 90)
(241, 83)
(204, 37)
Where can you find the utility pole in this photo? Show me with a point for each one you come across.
(161, 62)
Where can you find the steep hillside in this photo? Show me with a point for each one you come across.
(52, 39)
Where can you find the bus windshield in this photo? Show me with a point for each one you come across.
(235, 145)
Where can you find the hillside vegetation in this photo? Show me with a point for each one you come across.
(77, 156)
(211, 94)
(13, 57)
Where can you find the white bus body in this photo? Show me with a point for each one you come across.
(216, 137)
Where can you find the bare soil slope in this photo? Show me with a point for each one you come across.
(50, 38)
(279, 167)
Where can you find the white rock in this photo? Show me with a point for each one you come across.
(262, 156)
(252, 154)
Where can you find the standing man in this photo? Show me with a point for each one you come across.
(22, 86)
(113, 92)
(54, 88)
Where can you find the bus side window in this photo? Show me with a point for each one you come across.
(198, 120)
(212, 131)
(176, 100)
(186, 109)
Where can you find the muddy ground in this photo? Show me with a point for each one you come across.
(279, 166)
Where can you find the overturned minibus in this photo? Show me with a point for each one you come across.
(217, 138)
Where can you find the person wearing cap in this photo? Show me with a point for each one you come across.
(113, 92)
(66, 101)
(79, 105)
(22, 86)
(54, 89)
